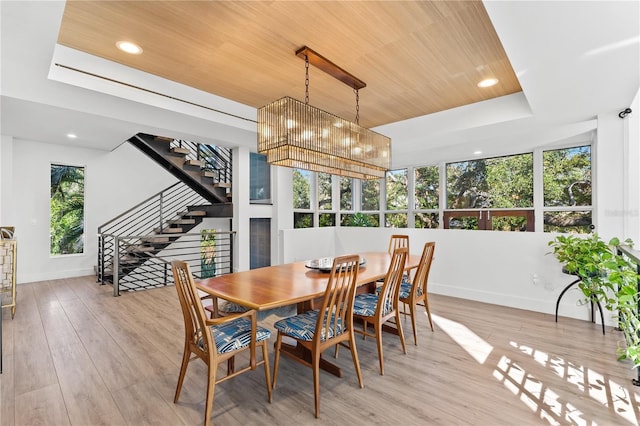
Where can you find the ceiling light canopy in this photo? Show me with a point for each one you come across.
(295, 134)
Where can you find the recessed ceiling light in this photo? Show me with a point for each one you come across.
(129, 47)
(72, 135)
(488, 82)
(477, 152)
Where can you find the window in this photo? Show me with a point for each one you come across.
(259, 242)
(67, 210)
(260, 179)
(302, 215)
(324, 191)
(426, 197)
(491, 194)
(397, 199)
(567, 190)
(370, 195)
(346, 194)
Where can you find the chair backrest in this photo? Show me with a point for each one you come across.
(398, 241)
(388, 297)
(192, 310)
(421, 278)
(336, 311)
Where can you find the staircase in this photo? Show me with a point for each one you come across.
(143, 240)
(204, 168)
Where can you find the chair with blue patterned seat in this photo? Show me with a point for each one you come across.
(381, 307)
(216, 340)
(328, 326)
(414, 291)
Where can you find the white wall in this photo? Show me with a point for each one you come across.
(114, 182)
(503, 268)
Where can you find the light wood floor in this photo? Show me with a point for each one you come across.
(76, 355)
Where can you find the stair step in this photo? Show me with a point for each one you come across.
(168, 231)
(182, 222)
(222, 185)
(194, 213)
(140, 249)
(209, 173)
(180, 150)
(163, 139)
(156, 240)
(198, 163)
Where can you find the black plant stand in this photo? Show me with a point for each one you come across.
(591, 301)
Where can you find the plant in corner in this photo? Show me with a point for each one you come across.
(606, 277)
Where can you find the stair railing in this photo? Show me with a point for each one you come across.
(144, 219)
(215, 158)
(208, 254)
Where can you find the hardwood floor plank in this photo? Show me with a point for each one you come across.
(44, 406)
(86, 396)
(115, 360)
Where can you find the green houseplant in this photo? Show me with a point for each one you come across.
(606, 277)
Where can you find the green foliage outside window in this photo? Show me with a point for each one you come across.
(370, 195)
(346, 193)
(208, 253)
(302, 220)
(502, 182)
(324, 191)
(427, 188)
(397, 190)
(360, 219)
(301, 189)
(567, 177)
(67, 210)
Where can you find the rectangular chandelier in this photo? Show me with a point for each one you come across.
(295, 134)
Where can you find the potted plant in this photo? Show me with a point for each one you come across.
(606, 277)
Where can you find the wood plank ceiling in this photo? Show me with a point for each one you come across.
(416, 57)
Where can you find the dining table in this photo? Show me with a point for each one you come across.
(299, 283)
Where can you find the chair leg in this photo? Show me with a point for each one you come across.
(400, 333)
(413, 309)
(379, 343)
(426, 306)
(276, 360)
(183, 371)
(354, 356)
(211, 387)
(267, 373)
(316, 381)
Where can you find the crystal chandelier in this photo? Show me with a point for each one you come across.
(295, 134)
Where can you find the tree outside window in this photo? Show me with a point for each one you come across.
(370, 197)
(427, 197)
(67, 210)
(324, 191)
(567, 190)
(397, 198)
(346, 194)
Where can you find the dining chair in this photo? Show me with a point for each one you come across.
(414, 291)
(398, 241)
(328, 326)
(216, 340)
(381, 307)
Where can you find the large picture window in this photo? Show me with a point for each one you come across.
(67, 210)
(491, 194)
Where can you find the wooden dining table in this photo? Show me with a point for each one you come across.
(293, 283)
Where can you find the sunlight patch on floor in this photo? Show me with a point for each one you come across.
(602, 390)
(475, 346)
(536, 395)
